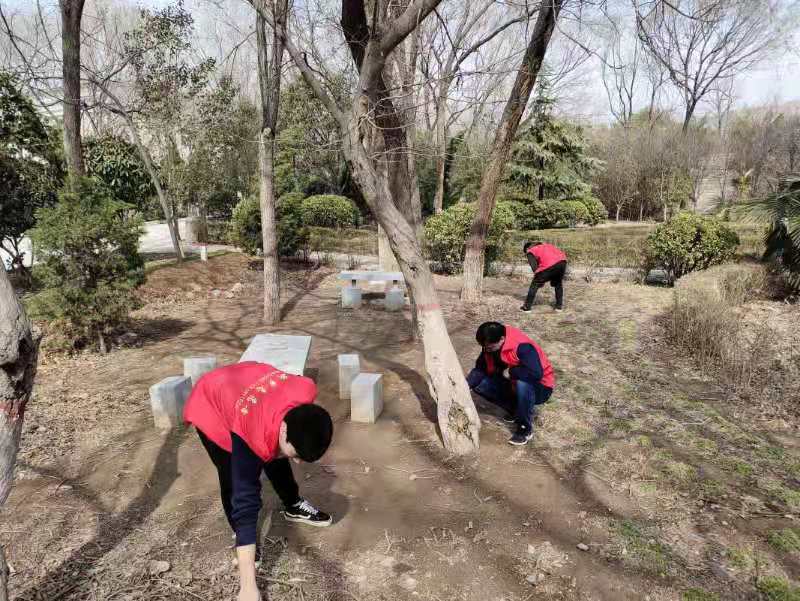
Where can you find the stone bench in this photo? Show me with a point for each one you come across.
(351, 295)
(287, 353)
(167, 399)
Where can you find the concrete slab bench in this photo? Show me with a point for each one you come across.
(287, 353)
(351, 295)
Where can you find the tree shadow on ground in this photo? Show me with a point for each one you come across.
(150, 331)
(111, 529)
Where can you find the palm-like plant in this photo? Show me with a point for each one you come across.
(781, 211)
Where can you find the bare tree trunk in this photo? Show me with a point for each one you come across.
(269, 77)
(515, 107)
(619, 208)
(172, 223)
(71, 13)
(441, 147)
(19, 350)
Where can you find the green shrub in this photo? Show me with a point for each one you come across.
(597, 211)
(519, 209)
(773, 588)
(87, 246)
(245, 225)
(689, 242)
(293, 235)
(328, 210)
(577, 211)
(545, 214)
(446, 235)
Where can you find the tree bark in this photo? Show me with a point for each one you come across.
(172, 222)
(441, 146)
(269, 78)
(475, 258)
(19, 350)
(71, 13)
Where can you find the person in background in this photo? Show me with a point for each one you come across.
(549, 264)
(252, 417)
(530, 379)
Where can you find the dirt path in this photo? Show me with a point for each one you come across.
(633, 460)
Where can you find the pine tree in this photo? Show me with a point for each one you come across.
(549, 158)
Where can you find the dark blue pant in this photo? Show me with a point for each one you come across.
(519, 399)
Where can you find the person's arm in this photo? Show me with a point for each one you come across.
(530, 366)
(246, 469)
(532, 261)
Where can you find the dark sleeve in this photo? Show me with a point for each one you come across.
(530, 367)
(533, 261)
(480, 363)
(246, 469)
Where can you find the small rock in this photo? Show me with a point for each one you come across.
(582, 515)
(388, 562)
(583, 546)
(534, 579)
(469, 527)
(407, 582)
(158, 567)
(526, 524)
(724, 523)
(238, 287)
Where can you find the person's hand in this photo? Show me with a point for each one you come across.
(249, 593)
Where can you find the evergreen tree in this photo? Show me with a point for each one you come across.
(549, 158)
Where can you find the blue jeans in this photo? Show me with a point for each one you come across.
(519, 399)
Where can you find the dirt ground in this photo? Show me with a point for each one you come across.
(670, 486)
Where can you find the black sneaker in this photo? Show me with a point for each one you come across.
(559, 309)
(509, 418)
(521, 437)
(525, 309)
(305, 512)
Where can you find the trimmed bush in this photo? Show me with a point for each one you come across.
(293, 235)
(89, 263)
(446, 235)
(689, 242)
(578, 213)
(328, 210)
(597, 211)
(245, 225)
(546, 214)
(519, 209)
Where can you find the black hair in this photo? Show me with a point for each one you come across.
(490, 333)
(529, 244)
(309, 429)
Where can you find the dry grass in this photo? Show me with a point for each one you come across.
(707, 321)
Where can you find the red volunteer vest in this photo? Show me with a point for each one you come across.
(547, 255)
(508, 354)
(250, 399)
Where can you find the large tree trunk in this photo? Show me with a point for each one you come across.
(71, 13)
(19, 349)
(269, 78)
(501, 149)
(457, 417)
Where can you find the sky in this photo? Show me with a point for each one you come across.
(773, 82)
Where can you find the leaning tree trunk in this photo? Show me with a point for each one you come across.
(269, 78)
(19, 349)
(457, 417)
(172, 223)
(71, 13)
(475, 258)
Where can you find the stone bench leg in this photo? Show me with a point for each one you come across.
(195, 367)
(351, 296)
(167, 399)
(366, 398)
(349, 368)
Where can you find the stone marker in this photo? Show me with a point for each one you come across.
(349, 368)
(167, 399)
(287, 353)
(194, 367)
(395, 299)
(366, 398)
(351, 297)
(204, 253)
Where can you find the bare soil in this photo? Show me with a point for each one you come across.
(669, 482)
